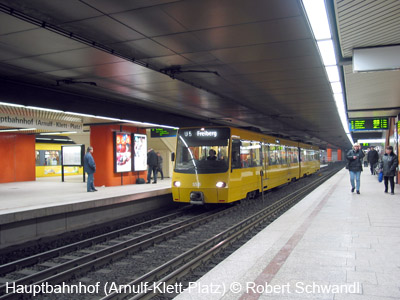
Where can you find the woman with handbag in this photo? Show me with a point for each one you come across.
(388, 165)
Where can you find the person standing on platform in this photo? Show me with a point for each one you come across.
(159, 165)
(373, 158)
(354, 158)
(388, 165)
(152, 163)
(90, 168)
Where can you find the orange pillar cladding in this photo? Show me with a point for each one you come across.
(339, 154)
(329, 154)
(17, 157)
(101, 139)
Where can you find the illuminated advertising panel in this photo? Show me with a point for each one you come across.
(369, 124)
(140, 159)
(122, 152)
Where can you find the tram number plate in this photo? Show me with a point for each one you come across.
(196, 184)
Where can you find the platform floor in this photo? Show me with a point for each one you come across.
(334, 244)
(22, 200)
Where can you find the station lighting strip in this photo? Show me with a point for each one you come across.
(79, 114)
(318, 19)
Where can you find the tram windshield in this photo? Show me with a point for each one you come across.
(202, 151)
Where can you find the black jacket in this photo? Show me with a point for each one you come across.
(159, 161)
(373, 157)
(355, 165)
(389, 164)
(152, 159)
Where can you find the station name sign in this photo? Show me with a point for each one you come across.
(369, 124)
(8, 120)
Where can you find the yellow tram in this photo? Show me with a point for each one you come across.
(226, 164)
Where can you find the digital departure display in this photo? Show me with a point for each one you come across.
(369, 124)
(163, 132)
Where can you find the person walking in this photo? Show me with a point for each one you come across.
(388, 166)
(354, 158)
(90, 168)
(152, 163)
(373, 158)
(159, 165)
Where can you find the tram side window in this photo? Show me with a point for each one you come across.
(274, 155)
(292, 155)
(256, 155)
(245, 154)
(296, 155)
(48, 157)
(316, 156)
(236, 154)
(283, 155)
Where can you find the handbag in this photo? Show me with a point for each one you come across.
(380, 176)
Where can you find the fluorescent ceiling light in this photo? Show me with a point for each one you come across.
(316, 13)
(107, 118)
(350, 138)
(25, 129)
(11, 104)
(45, 109)
(327, 52)
(79, 114)
(149, 124)
(371, 141)
(63, 140)
(17, 129)
(342, 112)
(336, 87)
(55, 133)
(43, 139)
(49, 133)
(333, 73)
(8, 130)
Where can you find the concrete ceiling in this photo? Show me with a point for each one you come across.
(256, 61)
(364, 24)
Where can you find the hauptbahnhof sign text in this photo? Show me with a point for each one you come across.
(8, 120)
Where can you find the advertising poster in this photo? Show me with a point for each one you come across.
(140, 161)
(72, 155)
(123, 152)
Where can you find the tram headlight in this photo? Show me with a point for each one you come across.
(220, 184)
(177, 183)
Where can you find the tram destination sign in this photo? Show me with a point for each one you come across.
(162, 132)
(369, 124)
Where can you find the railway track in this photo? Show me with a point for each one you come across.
(171, 272)
(71, 261)
(64, 263)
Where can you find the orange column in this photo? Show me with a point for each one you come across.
(101, 139)
(17, 157)
(339, 154)
(329, 154)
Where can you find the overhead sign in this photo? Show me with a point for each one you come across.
(369, 124)
(163, 132)
(8, 120)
